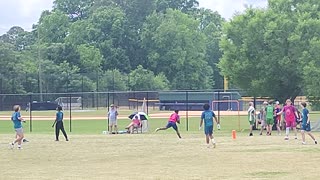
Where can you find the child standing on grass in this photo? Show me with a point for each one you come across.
(263, 117)
(17, 119)
(251, 116)
(207, 116)
(269, 117)
(290, 115)
(59, 124)
(305, 126)
(278, 117)
(113, 119)
(173, 120)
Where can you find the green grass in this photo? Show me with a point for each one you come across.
(91, 155)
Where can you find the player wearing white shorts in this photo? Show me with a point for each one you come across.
(113, 119)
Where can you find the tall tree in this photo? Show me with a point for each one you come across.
(264, 50)
(75, 9)
(176, 47)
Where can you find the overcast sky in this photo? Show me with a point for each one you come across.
(24, 13)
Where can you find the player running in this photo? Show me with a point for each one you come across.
(207, 116)
(173, 120)
(17, 119)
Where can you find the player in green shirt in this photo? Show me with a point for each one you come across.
(269, 117)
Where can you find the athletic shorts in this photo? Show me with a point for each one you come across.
(263, 123)
(208, 130)
(19, 131)
(251, 122)
(173, 125)
(270, 121)
(291, 124)
(113, 122)
(306, 127)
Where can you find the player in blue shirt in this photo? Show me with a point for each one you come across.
(17, 119)
(59, 124)
(207, 116)
(305, 126)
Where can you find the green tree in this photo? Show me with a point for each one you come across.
(176, 47)
(75, 9)
(184, 6)
(54, 27)
(211, 25)
(264, 50)
(143, 80)
(90, 58)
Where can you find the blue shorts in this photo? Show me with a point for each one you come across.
(173, 125)
(208, 130)
(306, 127)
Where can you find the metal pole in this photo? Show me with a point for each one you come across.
(218, 105)
(82, 91)
(108, 105)
(97, 101)
(70, 111)
(147, 102)
(39, 65)
(187, 111)
(30, 111)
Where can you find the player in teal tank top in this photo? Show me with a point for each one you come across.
(17, 119)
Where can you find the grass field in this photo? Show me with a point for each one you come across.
(91, 155)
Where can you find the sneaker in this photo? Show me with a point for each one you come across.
(25, 140)
(295, 137)
(11, 145)
(304, 143)
(315, 142)
(213, 143)
(57, 139)
(67, 139)
(286, 138)
(250, 134)
(260, 134)
(157, 130)
(19, 148)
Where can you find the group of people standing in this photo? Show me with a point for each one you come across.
(271, 114)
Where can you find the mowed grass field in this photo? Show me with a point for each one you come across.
(92, 155)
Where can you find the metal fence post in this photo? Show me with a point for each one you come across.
(30, 111)
(70, 111)
(187, 111)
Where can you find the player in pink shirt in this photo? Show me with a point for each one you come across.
(290, 116)
(135, 123)
(173, 120)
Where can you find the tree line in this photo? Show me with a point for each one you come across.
(165, 44)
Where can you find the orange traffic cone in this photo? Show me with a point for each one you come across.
(234, 135)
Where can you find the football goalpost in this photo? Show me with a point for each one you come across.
(229, 109)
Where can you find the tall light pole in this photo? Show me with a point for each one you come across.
(39, 65)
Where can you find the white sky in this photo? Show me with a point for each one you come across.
(24, 13)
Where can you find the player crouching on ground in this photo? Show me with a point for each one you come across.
(173, 120)
(207, 116)
(17, 119)
(305, 126)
